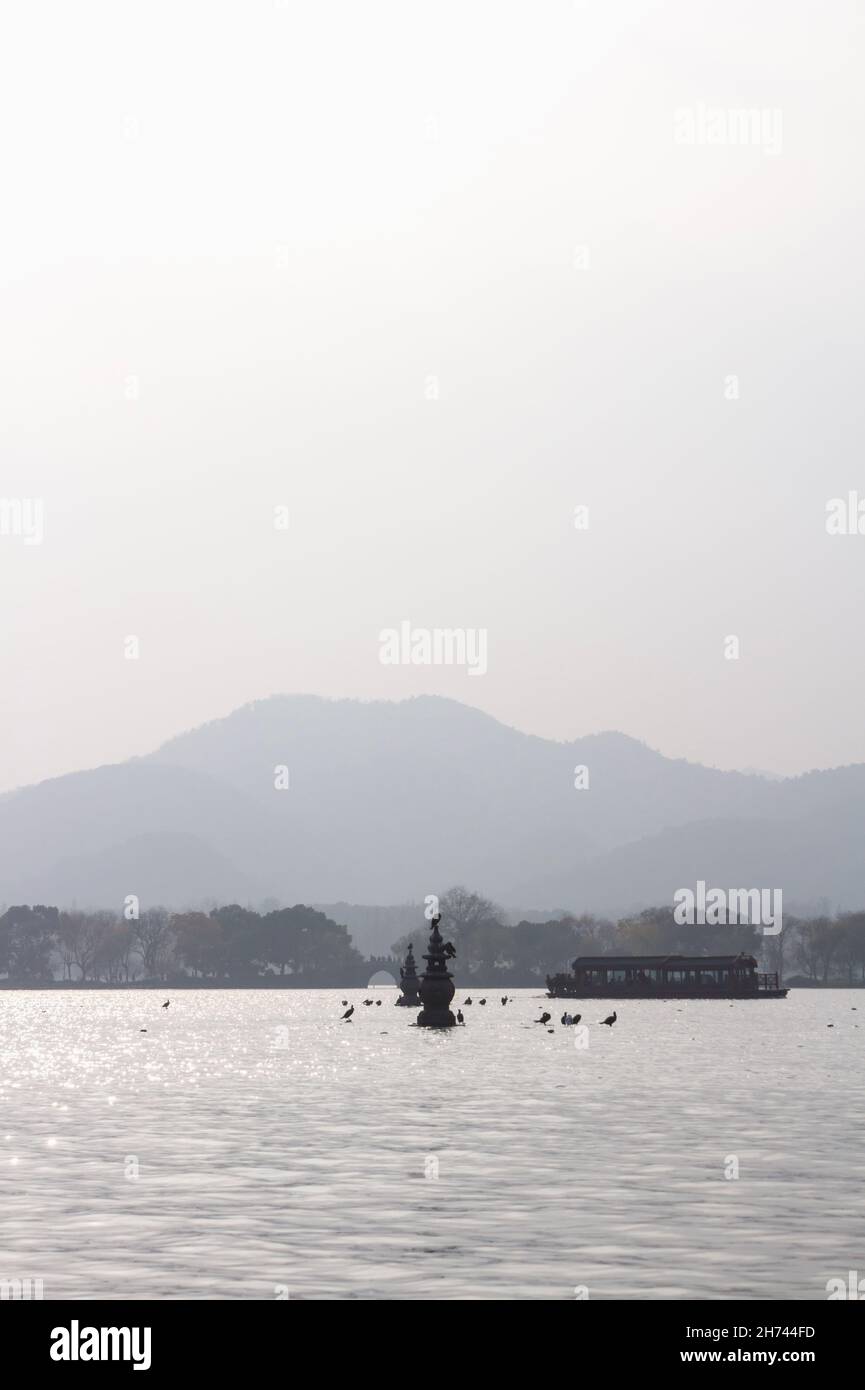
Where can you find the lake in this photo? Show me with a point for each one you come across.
(251, 1146)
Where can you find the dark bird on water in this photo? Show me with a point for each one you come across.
(544, 1018)
(504, 999)
(167, 1002)
(460, 1018)
(482, 1001)
(576, 1018)
(378, 1002)
(611, 1020)
(367, 1002)
(343, 1002)
(142, 1030)
(466, 1001)
(348, 1013)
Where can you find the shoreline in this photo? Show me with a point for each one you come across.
(161, 986)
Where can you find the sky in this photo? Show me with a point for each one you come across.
(322, 319)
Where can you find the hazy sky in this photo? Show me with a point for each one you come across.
(430, 277)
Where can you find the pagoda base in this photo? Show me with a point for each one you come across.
(436, 1018)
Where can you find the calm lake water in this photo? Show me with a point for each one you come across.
(249, 1145)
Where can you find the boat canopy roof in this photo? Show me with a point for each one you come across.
(656, 962)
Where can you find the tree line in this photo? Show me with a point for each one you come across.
(231, 944)
(301, 946)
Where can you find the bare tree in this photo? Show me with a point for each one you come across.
(82, 934)
(154, 941)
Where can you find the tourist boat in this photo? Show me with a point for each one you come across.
(665, 977)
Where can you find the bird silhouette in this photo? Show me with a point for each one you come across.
(460, 1018)
(167, 1002)
(575, 1018)
(611, 1020)
(367, 1002)
(348, 1013)
(144, 1030)
(565, 1019)
(482, 1001)
(378, 1002)
(466, 1001)
(544, 1018)
(504, 999)
(343, 1002)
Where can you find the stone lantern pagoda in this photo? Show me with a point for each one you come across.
(437, 983)
(409, 982)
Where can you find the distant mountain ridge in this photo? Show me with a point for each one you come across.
(389, 801)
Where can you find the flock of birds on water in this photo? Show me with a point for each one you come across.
(567, 1020)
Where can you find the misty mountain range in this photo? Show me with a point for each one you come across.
(390, 801)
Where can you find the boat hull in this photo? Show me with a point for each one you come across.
(567, 989)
